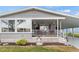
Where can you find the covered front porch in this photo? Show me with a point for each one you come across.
(47, 27)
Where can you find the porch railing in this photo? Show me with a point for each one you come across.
(47, 33)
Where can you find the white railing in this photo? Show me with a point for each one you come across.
(50, 39)
(36, 33)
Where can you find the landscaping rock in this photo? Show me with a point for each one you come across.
(4, 44)
(39, 43)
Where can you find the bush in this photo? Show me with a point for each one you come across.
(69, 34)
(21, 42)
(75, 34)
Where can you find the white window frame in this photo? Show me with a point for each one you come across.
(15, 25)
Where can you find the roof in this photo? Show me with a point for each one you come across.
(36, 8)
(70, 21)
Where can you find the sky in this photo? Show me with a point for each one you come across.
(73, 10)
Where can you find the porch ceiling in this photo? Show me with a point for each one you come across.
(68, 22)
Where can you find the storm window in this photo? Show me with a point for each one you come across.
(8, 25)
(21, 26)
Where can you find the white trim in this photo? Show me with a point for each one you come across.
(57, 28)
(16, 25)
(55, 12)
(26, 9)
(15, 32)
(73, 33)
(37, 18)
(60, 27)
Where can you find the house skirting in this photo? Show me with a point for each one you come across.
(13, 37)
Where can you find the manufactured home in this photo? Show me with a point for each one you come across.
(30, 23)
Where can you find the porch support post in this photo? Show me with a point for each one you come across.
(0, 25)
(73, 32)
(60, 27)
(57, 27)
(15, 25)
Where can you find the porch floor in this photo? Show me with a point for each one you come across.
(34, 35)
(49, 39)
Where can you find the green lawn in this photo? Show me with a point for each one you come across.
(26, 49)
(36, 49)
(71, 34)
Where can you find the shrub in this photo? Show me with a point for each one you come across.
(69, 34)
(75, 34)
(21, 42)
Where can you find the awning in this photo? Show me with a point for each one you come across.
(70, 22)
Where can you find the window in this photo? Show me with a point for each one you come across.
(21, 26)
(8, 25)
(23, 30)
(20, 21)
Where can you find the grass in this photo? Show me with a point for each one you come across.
(71, 34)
(26, 49)
(37, 49)
(64, 48)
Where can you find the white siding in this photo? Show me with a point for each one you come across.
(13, 37)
